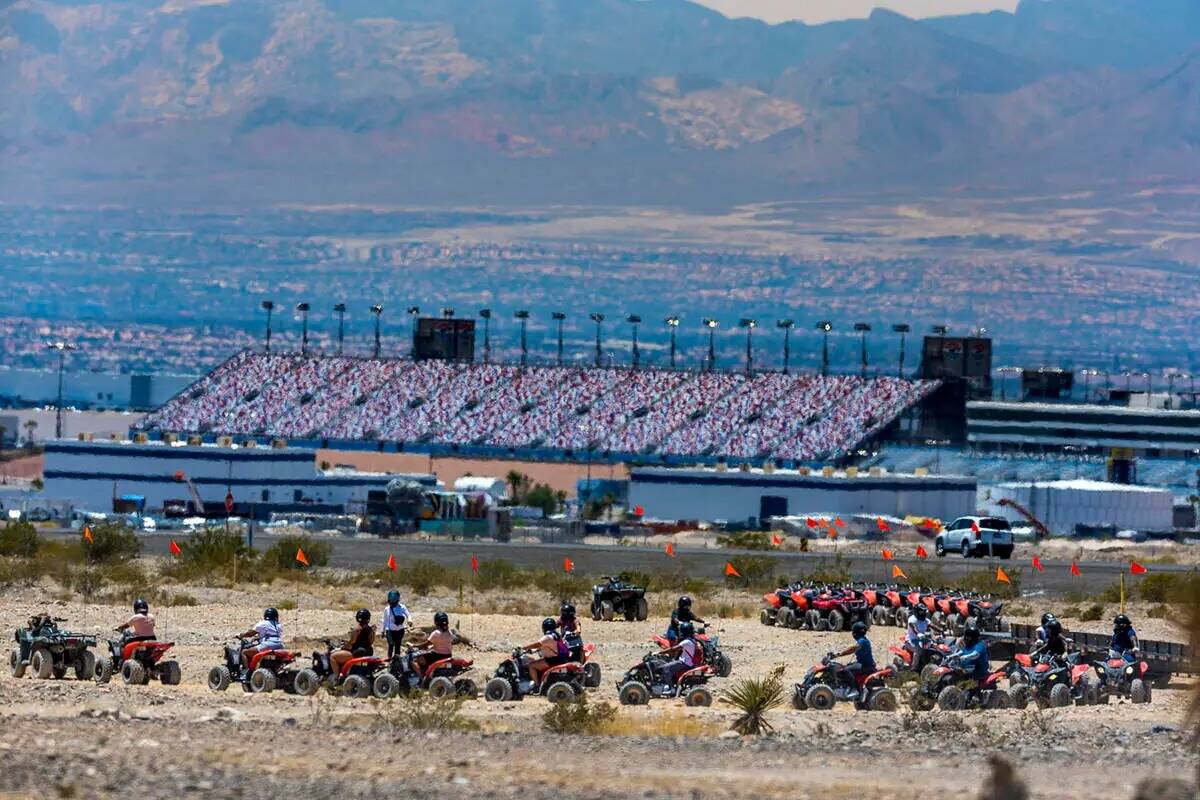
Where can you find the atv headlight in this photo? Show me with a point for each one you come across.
(1129, 670)
(1053, 677)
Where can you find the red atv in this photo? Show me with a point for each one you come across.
(1122, 678)
(778, 607)
(359, 677)
(441, 678)
(829, 681)
(947, 687)
(267, 671)
(928, 653)
(137, 662)
(836, 612)
(1052, 681)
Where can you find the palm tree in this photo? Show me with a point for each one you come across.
(30, 427)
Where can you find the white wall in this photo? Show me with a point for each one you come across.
(1061, 507)
(40, 387)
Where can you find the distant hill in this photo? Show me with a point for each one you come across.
(198, 102)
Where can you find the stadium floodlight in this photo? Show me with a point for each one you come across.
(340, 310)
(749, 324)
(303, 309)
(825, 326)
(903, 329)
(523, 315)
(634, 320)
(597, 318)
(939, 330)
(269, 307)
(62, 348)
(413, 313)
(377, 312)
(558, 318)
(786, 325)
(712, 325)
(486, 315)
(863, 329)
(672, 324)
(447, 313)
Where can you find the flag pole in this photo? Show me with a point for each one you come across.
(1122, 592)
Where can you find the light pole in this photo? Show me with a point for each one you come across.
(524, 317)
(413, 313)
(824, 326)
(902, 329)
(558, 318)
(269, 307)
(672, 324)
(634, 320)
(863, 329)
(303, 309)
(786, 326)
(486, 315)
(377, 312)
(599, 320)
(340, 310)
(712, 326)
(61, 348)
(749, 325)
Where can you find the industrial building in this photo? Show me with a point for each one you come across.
(1094, 428)
(753, 495)
(1072, 506)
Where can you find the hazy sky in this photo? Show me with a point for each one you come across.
(825, 10)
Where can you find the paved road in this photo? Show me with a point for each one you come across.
(612, 559)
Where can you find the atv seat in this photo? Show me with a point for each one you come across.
(1042, 668)
(448, 663)
(863, 678)
(1024, 659)
(570, 666)
(991, 680)
(282, 656)
(1117, 663)
(157, 648)
(696, 675)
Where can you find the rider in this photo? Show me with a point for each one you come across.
(918, 628)
(550, 649)
(1041, 631)
(360, 642)
(681, 613)
(438, 643)
(568, 622)
(973, 656)
(139, 627)
(1124, 642)
(864, 658)
(1055, 643)
(394, 617)
(685, 654)
(269, 634)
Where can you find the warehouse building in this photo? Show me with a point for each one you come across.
(1072, 506)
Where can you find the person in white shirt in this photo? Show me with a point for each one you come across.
(269, 634)
(395, 616)
(686, 653)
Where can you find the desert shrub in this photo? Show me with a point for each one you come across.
(561, 585)
(210, 554)
(85, 582)
(578, 717)
(669, 581)
(127, 581)
(1110, 595)
(20, 540)
(1158, 612)
(1167, 588)
(421, 712)
(500, 574)
(754, 697)
(422, 576)
(111, 542)
(1019, 610)
(672, 724)
(743, 609)
(281, 556)
(746, 540)
(1070, 612)
(1092, 613)
(984, 581)
(835, 571)
(286, 605)
(921, 575)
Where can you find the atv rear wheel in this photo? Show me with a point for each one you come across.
(952, 699)
(606, 610)
(820, 698)
(765, 618)
(835, 620)
(307, 681)
(466, 688)
(385, 686)
(41, 663)
(634, 693)
(356, 686)
(440, 687)
(15, 665)
(133, 673)
(595, 613)
(785, 617)
(642, 609)
(724, 666)
(85, 666)
(698, 697)
(498, 690)
(812, 620)
(927, 673)
(169, 673)
(1060, 696)
(560, 692)
(1139, 691)
(883, 700)
(591, 675)
(879, 615)
(262, 681)
(218, 678)
(1019, 695)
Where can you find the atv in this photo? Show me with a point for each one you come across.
(614, 596)
(1122, 678)
(583, 654)
(441, 678)
(137, 662)
(1052, 681)
(721, 664)
(268, 670)
(644, 681)
(837, 611)
(359, 677)
(928, 653)
(829, 681)
(948, 688)
(48, 651)
(512, 681)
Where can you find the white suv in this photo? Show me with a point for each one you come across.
(976, 536)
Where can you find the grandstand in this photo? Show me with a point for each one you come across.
(538, 411)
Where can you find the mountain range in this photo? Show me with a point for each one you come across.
(428, 102)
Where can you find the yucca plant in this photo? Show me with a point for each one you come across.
(754, 697)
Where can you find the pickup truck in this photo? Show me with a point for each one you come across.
(976, 536)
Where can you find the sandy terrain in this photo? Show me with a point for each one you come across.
(77, 738)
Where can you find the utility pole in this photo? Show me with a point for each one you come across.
(61, 348)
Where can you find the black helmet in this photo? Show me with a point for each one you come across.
(362, 616)
(393, 598)
(684, 602)
(140, 606)
(1122, 623)
(441, 620)
(271, 614)
(920, 612)
(549, 625)
(970, 634)
(858, 629)
(686, 630)
(567, 611)
(1046, 618)
(1053, 627)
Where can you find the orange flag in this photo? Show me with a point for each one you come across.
(729, 570)
(1137, 569)
(638, 511)
(921, 552)
(833, 533)
(882, 523)
(839, 522)
(568, 565)
(670, 549)
(1037, 563)
(812, 523)
(303, 559)
(391, 562)
(887, 555)
(87, 534)
(776, 539)
(175, 550)
(1002, 576)
(474, 565)
(1075, 569)
(897, 572)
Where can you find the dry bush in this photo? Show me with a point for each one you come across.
(421, 712)
(1092, 613)
(578, 717)
(672, 724)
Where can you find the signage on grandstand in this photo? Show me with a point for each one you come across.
(966, 358)
(449, 339)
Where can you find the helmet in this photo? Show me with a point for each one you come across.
(970, 634)
(1053, 627)
(920, 612)
(1046, 618)
(685, 602)
(362, 616)
(441, 620)
(686, 630)
(140, 606)
(549, 625)
(858, 629)
(1122, 623)
(393, 597)
(271, 614)
(567, 611)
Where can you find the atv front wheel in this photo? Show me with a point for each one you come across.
(356, 686)
(42, 664)
(606, 611)
(820, 698)
(883, 700)
(218, 678)
(15, 665)
(1139, 691)
(643, 609)
(104, 671)
(306, 683)
(765, 618)
(1060, 696)
(85, 666)
(440, 687)
(1019, 695)
(634, 693)
(724, 666)
(385, 686)
(169, 673)
(133, 673)
(591, 675)
(952, 699)
(812, 620)
(498, 690)
(560, 693)
(835, 620)
(699, 697)
(262, 681)
(785, 617)
(999, 701)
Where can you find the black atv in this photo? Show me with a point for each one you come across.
(48, 651)
(615, 596)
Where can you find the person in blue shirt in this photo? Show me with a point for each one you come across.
(1124, 642)
(973, 656)
(395, 615)
(864, 657)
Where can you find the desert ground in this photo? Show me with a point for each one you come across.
(72, 739)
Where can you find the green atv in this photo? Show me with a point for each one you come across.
(47, 651)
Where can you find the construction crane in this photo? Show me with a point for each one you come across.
(1038, 525)
(197, 503)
